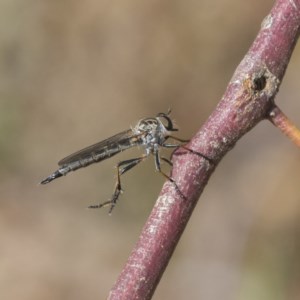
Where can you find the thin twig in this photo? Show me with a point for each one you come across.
(281, 121)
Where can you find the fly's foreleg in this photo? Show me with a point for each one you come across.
(196, 153)
(122, 167)
(183, 141)
(185, 148)
(174, 146)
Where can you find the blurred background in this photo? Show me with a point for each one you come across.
(75, 72)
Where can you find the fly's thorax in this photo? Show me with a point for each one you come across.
(146, 125)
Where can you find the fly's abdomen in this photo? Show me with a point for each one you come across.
(86, 159)
(95, 153)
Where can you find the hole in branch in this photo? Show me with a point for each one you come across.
(259, 83)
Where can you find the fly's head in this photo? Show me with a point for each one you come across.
(155, 130)
(161, 124)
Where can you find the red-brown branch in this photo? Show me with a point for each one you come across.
(248, 99)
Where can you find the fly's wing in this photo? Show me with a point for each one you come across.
(103, 149)
(96, 153)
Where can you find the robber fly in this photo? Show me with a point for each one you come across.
(150, 133)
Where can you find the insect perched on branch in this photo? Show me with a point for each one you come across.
(150, 133)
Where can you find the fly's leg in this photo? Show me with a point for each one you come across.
(178, 139)
(196, 153)
(158, 168)
(175, 147)
(185, 148)
(167, 161)
(122, 167)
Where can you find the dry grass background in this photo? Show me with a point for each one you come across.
(74, 72)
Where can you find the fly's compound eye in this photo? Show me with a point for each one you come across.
(167, 122)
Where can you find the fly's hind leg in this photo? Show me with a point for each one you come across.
(122, 167)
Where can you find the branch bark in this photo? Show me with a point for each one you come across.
(248, 99)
